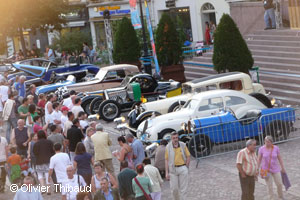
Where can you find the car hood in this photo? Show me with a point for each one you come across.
(33, 70)
(46, 88)
(91, 82)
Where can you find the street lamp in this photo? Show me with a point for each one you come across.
(147, 64)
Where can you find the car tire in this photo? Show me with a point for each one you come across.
(86, 106)
(203, 146)
(263, 99)
(277, 129)
(165, 134)
(95, 103)
(175, 106)
(59, 79)
(107, 107)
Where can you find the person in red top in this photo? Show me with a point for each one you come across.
(207, 34)
(38, 124)
(25, 168)
(42, 101)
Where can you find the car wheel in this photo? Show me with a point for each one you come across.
(94, 105)
(109, 110)
(86, 106)
(263, 99)
(202, 145)
(165, 135)
(59, 79)
(277, 129)
(176, 106)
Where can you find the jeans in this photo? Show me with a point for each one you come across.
(270, 14)
(179, 183)
(277, 179)
(10, 124)
(2, 176)
(248, 186)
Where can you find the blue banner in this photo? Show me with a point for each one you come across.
(135, 17)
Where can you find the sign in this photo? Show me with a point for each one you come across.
(116, 12)
(102, 8)
(135, 17)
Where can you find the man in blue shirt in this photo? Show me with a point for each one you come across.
(28, 191)
(21, 87)
(50, 54)
(138, 149)
(106, 193)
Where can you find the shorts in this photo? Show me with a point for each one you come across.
(44, 168)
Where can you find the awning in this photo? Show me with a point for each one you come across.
(74, 24)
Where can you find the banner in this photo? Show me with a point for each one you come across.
(135, 17)
(152, 38)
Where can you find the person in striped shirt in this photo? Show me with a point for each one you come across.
(247, 165)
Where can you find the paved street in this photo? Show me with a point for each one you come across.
(217, 178)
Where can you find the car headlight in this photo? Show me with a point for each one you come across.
(192, 127)
(120, 120)
(138, 133)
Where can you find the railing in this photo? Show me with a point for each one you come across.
(190, 52)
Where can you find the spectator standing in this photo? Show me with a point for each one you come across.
(31, 156)
(42, 101)
(126, 152)
(82, 119)
(55, 117)
(20, 136)
(138, 149)
(156, 181)
(72, 181)
(93, 55)
(160, 157)
(50, 54)
(49, 107)
(43, 151)
(23, 109)
(102, 143)
(177, 161)
(89, 145)
(100, 173)
(24, 193)
(74, 135)
(106, 192)
(141, 185)
(9, 116)
(125, 178)
(77, 107)
(64, 116)
(68, 101)
(38, 124)
(32, 113)
(3, 159)
(69, 123)
(269, 159)
(21, 87)
(247, 165)
(83, 162)
(32, 90)
(4, 91)
(59, 163)
(56, 136)
(269, 14)
(207, 34)
(14, 161)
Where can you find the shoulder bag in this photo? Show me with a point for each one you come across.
(147, 196)
(264, 173)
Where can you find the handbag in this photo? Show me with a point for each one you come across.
(264, 173)
(147, 196)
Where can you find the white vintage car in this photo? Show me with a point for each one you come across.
(233, 80)
(203, 104)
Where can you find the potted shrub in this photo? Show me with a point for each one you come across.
(169, 50)
(126, 44)
(231, 52)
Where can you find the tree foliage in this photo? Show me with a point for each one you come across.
(72, 41)
(167, 41)
(126, 44)
(230, 49)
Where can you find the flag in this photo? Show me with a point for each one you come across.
(135, 18)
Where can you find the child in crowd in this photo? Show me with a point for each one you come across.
(14, 165)
(30, 153)
(26, 170)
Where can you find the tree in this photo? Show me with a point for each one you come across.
(168, 44)
(20, 15)
(126, 44)
(230, 49)
(72, 41)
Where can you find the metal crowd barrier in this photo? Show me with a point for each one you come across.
(231, 136)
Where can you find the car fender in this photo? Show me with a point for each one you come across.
(85, 98)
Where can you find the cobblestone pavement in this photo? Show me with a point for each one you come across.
(216, 177)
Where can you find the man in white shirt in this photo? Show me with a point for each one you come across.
(69, 123)
(3, 159)
(69, 101)
(64, 116)
(77, 107)
(59, 163)
(73, 181)
(56, 114)
(155, 179)
(48, 107)
(4, 92)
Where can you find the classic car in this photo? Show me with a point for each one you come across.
(41, 71)
(107, 77)
(200, 105)
(234, 80)
(134, 88)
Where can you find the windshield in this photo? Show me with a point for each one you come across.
(125, 81)
(191, 104)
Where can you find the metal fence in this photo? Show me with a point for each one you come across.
(231, 135)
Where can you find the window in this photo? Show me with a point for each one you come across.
(206, 88)
(232, 85)
(191, 104)
(211, 104)
(233, 100)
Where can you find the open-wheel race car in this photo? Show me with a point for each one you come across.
(134, 89)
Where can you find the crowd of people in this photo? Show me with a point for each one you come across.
(53, 145)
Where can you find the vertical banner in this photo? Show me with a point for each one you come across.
(152, 38)
(135, 18)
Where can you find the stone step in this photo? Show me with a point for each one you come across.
(278, 60)
(273, 48)
(277, 67)
(274, 43)
(283, 54)
(272, 37)
(284, 32)
(286, 79)
(280, 85)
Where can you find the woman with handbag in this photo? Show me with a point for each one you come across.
(141, 185)
(271, 164)
(125, 153)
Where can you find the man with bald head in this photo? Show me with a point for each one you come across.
(26, 193)
(20, 137)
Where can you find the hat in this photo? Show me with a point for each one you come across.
(64, 108)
